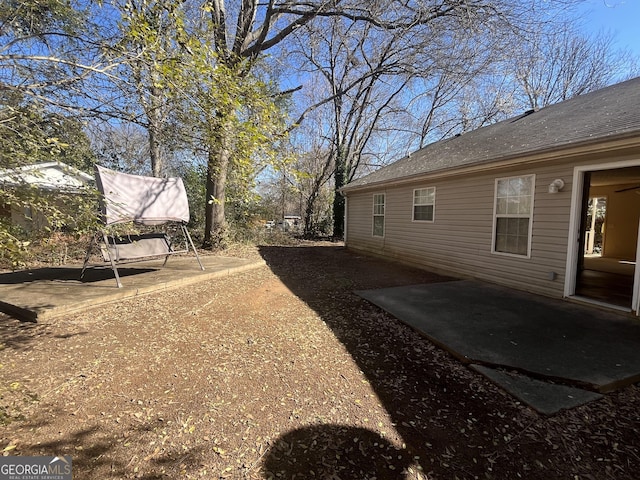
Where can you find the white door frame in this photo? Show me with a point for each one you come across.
(574, 228)
(636, 278)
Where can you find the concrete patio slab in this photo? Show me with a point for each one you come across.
(543, 338)
(545, 397)
(44, 293)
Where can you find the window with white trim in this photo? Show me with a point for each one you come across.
(513, 215)
(378, 215)
(424, 204)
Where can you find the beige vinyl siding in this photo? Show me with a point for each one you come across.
(459, 240)
(360, 222)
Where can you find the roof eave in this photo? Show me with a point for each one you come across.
(627, 140)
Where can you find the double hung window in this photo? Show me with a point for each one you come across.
(513, 215)
(378, 215)
(424, 204)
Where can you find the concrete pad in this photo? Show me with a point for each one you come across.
(547, 338)
(44, 293)
(547, 398)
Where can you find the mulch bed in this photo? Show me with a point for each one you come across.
(283, 372)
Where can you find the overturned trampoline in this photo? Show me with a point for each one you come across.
(157, 204)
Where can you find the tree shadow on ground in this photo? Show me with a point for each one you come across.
(16, 334)
(99, 448)
(335, 451)
(68, 274)
(445, 414)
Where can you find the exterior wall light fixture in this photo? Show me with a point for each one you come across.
(556, 185)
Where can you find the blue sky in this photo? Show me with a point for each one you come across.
(620, 17)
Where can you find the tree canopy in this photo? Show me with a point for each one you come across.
(220, 91)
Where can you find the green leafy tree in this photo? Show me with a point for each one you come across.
(240, 37)
(240, 124)
(151, 48)
(47, 50)
(29, 135)
(197, 99)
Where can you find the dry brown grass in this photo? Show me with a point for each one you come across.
(282, 372)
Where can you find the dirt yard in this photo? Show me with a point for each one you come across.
(283, 372)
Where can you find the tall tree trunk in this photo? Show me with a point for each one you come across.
(154, 116)
(215, 230)
(338, 199)
(309, 225)
(154, 153)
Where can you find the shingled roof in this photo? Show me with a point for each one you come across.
(610, 113)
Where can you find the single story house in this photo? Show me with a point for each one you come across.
(547, 202)
(55, 179)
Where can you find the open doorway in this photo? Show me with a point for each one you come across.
(595, 228)
(609, 222)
